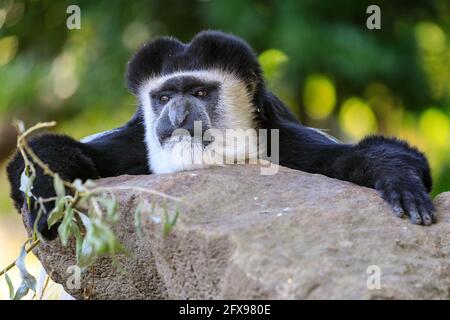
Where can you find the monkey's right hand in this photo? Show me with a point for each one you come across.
(64, 156)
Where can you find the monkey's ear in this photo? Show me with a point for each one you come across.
(149, 61)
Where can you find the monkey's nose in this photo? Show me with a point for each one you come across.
(178, 114)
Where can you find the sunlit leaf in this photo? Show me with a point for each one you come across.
(22, 291)
(10, 286)
(59, 186)
(87, 255)
(57, 213)
(169, 223)
(84, 251)
(101, 237)
(78, 184)
(90, 183)
(85, 220)
(26, 183)
(65, 228)
(111, 206)
(27, 278)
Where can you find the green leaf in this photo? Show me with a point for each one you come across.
(27, 278)
(169, 223)
(59, 186)
(86, 221)
(101, 237)
(22, 291)
(78, 184)
(10, 286)
(90, 183)
(87, 255)
(57, 213)
(111, 206)
(84, 251)
(65, 228)
(26, 183)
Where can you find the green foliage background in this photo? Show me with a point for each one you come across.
(318, 56)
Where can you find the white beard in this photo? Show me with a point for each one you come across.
(177, 154)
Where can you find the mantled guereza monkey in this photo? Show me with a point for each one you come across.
(215, 83)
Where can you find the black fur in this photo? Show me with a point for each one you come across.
(208, 49)
(399, 172)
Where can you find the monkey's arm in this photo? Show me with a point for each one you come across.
(400, 173)
(120, 151)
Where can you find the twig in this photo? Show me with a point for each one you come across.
(47, 280)
(140, 189)
(37, 126)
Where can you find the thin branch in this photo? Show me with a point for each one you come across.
(37, 126)
(139, 189)
(47, 280)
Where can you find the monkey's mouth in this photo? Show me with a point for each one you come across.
(171, 140)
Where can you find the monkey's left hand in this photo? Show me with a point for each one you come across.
(400, 173)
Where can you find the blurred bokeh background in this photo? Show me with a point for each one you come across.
(318, 56)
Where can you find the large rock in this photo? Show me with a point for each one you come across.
(243, 235)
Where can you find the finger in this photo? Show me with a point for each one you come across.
(410, 207)
(433, 214)
(429, 207)
(398, 210)
(414, 215)
(424, 206)
(393, 198)
(426, 216)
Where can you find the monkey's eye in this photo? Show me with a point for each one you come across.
(201, 93)
(164, 99)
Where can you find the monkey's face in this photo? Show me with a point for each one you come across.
(190, 114)
(184, 106)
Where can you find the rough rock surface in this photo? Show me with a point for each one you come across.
(245, 236)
